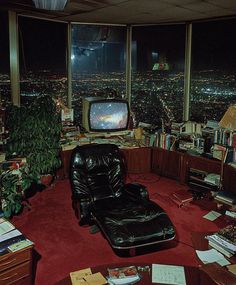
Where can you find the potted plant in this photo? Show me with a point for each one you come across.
(34, 132)
(13, 184)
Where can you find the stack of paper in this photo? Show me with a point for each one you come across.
(222, 245)
(86, 277)
(5, 226)
(168, 274)
(212, 215)
(212, 255)
(11, 239)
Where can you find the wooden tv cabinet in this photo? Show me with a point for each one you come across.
(16, 268)
(138, 160)
(175, 165)
(171, 164)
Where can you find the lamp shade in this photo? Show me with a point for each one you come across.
(50, 4)
(228, 121)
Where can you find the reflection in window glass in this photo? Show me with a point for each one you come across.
(5, 87)
(158, 73)
(42, 47)
(98, 63)
(213, 79)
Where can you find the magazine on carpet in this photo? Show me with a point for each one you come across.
(123, 275)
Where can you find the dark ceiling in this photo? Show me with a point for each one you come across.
(129, 11)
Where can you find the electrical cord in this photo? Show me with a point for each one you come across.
(178, 241)
(141, 178)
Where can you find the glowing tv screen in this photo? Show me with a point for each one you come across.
(105, 115)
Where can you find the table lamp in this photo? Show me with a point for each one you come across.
(228, 121)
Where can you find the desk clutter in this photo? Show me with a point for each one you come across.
(222, 244)
(160, 273)
(11, 239)
(123, 142)
(217, 250)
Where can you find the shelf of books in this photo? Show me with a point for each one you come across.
(224, 147)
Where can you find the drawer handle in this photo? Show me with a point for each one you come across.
(9, 262)
(6, 278)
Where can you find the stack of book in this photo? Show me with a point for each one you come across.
(11, 239)
(203, 181)
(227, 198)
(224, 240)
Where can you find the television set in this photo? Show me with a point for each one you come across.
(105, 116)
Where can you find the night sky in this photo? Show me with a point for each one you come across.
(4, 43)
(43, 45)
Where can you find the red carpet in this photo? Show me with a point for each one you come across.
(63, 246)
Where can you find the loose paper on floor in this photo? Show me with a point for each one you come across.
(168, 274)
(212, 215)
(212, 255)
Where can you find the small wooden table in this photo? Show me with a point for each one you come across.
(193, 275)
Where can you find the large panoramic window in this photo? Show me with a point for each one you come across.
(5, 87)
(158, 74)
(213, 77)
(42, 46)
(98, 63)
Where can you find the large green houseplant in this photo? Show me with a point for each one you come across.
(14, 182)
(34, 132)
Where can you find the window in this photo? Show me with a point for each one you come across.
(42, 46)
(213, 79)
(158, 73)
(5, 86)
(98, 63)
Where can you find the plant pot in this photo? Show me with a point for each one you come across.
(46, 179)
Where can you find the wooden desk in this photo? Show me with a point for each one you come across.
(138, 160)
(193, 275)
(16, 268)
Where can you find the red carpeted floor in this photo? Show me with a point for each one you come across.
(62, 246)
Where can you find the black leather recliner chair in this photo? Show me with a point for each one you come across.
(123, 212)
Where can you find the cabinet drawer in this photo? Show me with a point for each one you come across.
(12, 259)
(15, 274)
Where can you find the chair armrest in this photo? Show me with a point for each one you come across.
(137, 190)
(82, 208)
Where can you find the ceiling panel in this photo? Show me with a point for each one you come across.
(229, 4)
(201, 7)
(129, 11)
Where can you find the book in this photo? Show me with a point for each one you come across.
(212, 178)
(220, 248)
(177, 202)
(183, 196)
(19, 245)
(168, 274)
(5, 244)
(5, 227)
(228, 233)
(226, 197)
(9, 235)
(86, 277)
(219, 151)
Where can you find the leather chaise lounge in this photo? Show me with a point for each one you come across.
(123, 212)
